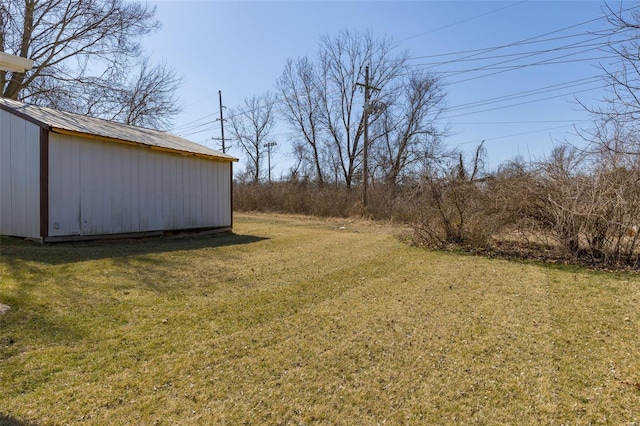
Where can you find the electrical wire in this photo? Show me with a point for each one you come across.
(519, 104)
(194, 127)
(520, 55)
(464, 21)
(527, 93)
(196, 120)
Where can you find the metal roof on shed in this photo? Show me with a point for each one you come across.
(68, 123)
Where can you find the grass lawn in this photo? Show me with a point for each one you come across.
(294, 320)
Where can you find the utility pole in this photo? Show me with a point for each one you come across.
(365, 117)
(268, 146)
(224, 149)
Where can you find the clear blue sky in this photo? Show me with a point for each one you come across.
(241, 47)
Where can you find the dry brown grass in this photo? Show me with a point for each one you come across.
(294, 320)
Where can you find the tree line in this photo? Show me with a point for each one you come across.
(320, 100)
(583, 202)
(574, 204)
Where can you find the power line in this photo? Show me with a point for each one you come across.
(531, 39)
(195, 127)
(512, 135)
(494, 48)
(482, 123)
(550, 61)
(189, 124)
(516, 104)
(463, 21)
(521, 55)
(527, 93)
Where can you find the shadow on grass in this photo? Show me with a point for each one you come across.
(13, 249)
(6, 420)
(56, 298)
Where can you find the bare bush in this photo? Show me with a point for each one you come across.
(295, 198)
(583, 205)
(453, 206)
(572, 206)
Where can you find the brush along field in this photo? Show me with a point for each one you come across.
(293, 320)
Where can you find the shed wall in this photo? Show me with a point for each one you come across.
(98, 188)
(19, 176)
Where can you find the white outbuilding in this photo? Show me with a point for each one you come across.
(66, 177)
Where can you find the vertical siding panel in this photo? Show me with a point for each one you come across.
(54, 184)
(227, 184)
(102, 176)
(218, 189)
(213, 190)
(126, 191)
(164, 184)
(229, 172)
(175, 179)
(168, 180)
(102, 172)
(18, 181)
(90, 197)
(185, 190)
(120, 193)
(221, 190)
(64, 185)
(230, 200)
(72, 189)
(154, 206)
(219, 193)
(145, 170)
(194, 195)
(32, 170)
(183, 185)
(144, 183)
(87, 190)
(135, 188)
(155, 196)
(192, 204)
(5, 173)
(210, 186)
(206, 185)
(178, 195)
(141, 189)
(200, 169)
(170, 192)
(117, 192)
(202, 192)
(205, 193)
(106, 188)
(215, 193)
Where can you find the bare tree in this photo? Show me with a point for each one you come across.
(342, 60)
(148, 100)
(406, 131)
(251, 124)
(85, 52)
(323, 103)
(617, 118)
(301, 109)
(624, 80)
